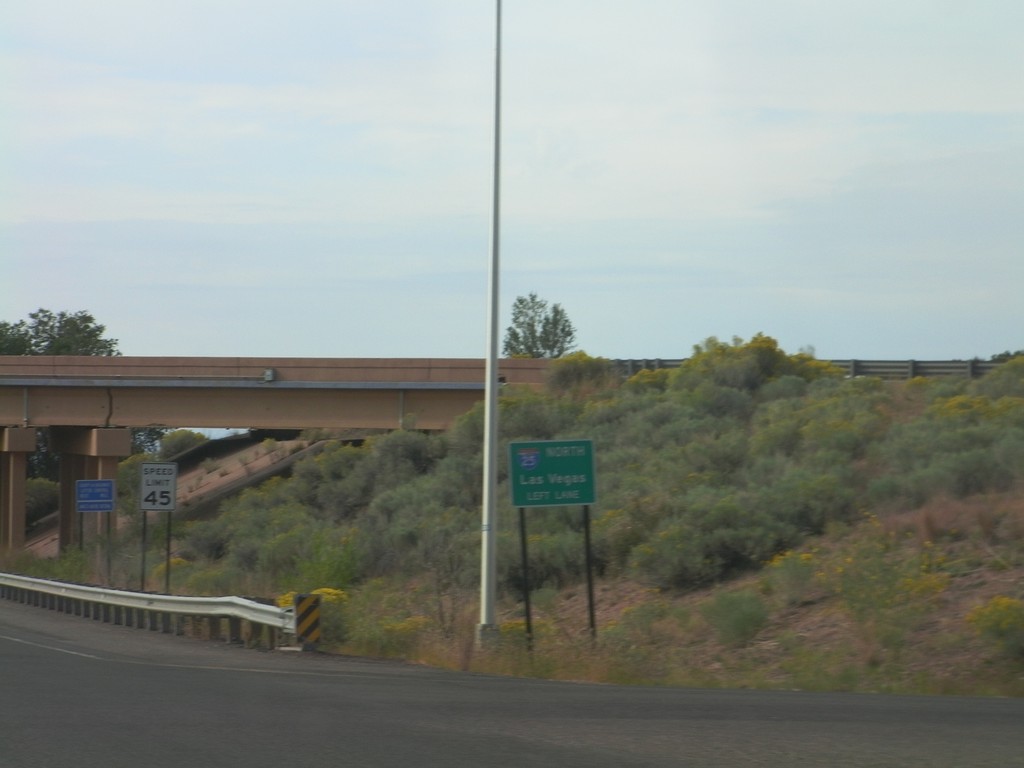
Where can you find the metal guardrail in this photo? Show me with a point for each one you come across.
(909, 369)
(633, 367)
(142, 609)
(882, 369)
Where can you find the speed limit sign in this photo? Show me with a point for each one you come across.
(158, 488)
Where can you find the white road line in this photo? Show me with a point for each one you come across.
(50, 647)
(209, 667)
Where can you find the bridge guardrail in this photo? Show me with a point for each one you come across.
(168, 613)
(909, 369)
(882, 369)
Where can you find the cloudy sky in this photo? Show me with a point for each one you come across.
(247, 178)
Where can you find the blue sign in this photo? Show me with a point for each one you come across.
(528, 458)
(94, 496)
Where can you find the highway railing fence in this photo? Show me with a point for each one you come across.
(231, 619)
(882, 369)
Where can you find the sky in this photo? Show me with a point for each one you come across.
(314, 179)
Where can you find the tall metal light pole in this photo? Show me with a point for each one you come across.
(488, 565)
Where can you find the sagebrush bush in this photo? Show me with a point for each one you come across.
(703, 472)
(580, 375)
(790, 576)
(884, 584)
(1001, 620)
(736, 617)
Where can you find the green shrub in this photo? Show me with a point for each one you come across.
(704, 471)
(806, 500)
(789, 576)
(378, 622)
(713, 532)
(784, 388)
(42, 498)
(72, 565)
(525, 414)
(178, 441)
(883, 585)
(674, 557)
(578, 375)
(1001, 620)
(1005, 381)
(331, 559)
(719, 401)
(736, 617)
(747, 365)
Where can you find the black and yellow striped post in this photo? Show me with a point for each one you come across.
(307, 621)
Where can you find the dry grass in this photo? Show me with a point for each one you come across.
(993, 519)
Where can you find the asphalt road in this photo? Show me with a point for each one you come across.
(78, 693)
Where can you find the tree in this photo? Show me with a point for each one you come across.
(538, 331)
(1003, 357)
(60, 333)
(177, 442)
(14, 339)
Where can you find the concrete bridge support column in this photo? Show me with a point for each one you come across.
(16, 443)
(85, 454)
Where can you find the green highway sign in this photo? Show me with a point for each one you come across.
(552, 473)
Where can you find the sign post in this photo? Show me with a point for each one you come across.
(158, 490)
(553, 473)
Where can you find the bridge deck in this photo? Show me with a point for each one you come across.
(233, 392)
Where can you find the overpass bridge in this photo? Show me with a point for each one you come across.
(89, 405)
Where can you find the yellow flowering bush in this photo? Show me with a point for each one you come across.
(176, 563)
(512, 627)
(330, 595)
(882, 585)
(514, 630)
(970, 408)
(1001, 620)
(975, 409)
(408, 626)
(648, 380)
